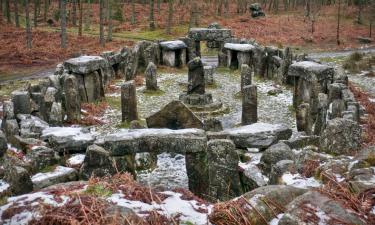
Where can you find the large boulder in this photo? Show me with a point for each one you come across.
(84, 64)
(341, 136)
(97, 163)
(68, 139)
(42, 157)
(274, 154)
(319, 206)
(175, 115)
(18, 179)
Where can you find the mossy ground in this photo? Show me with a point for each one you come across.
(98, 190)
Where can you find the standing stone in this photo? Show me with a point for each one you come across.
(321, 118)
(11, 129)
(151, 77)
(56, 114)
(3, 144)
(72, 99)
(19, 180)
(8, 110)
(197, 172)
(196, 77)
(249, 105)
(93, 86)
(81, 87)
(304, 122)
(21, 102)
(245, 76)
(129, 102)
(224, 180)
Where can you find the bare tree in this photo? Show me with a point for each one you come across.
(133, 19)
(28, 25)
(46, 6)
(151, 17)
(80, 7)
(63, 23)
(170, 16)
(74, 13)
(101, 18)
(16, 17)
(7, 11)
(110, 25)
(36, 7)
(338, 22)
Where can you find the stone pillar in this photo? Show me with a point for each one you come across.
(56, 116)
(21, 102)
(209, 74)
(169, 58)
(196, 77)
(197, 171)
(334, 91)
(245, 76)
(304, 122)
(321, 118)
(72, 99)
(150, 74)
(92, 85)
(224, 179)
(129, 102)
(249, 105)
(11, 129)
(81, 87)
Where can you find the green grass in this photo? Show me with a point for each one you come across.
(114, 102)
(153, 93)
(333, 59)
(98, 190)
(48, 169)
(3, 200)
(126, 125)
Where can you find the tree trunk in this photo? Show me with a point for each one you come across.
(16, 17)
(80, 7)
(101, 16)
(159, 6)
(338, 22)
(7, 11)
(170, 16)
(88, 15)
(110, 25)
(151, 18)
(74, 16)
(36, 6)
(63, 23)
(46, 6)
(28, 25)
(133, 19)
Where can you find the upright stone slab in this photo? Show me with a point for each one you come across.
(224, 180)
(93, 86)
(249, 105)
(72, 99)
(3, 144)
(196, 77)
(129, 102)
(209, 74)
(304, 121)
(56, 116)
(11, 130)
(197, 172)
(21, 102)
(245, 76)
(151, 77)
(8, 110)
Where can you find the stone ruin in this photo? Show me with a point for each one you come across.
(325, 107)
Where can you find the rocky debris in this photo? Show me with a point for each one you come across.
(175, 115)
(320, 206)
(18, 179)
(59, 175)
(206, 34)
(274, 154)
(301, 140)
(31, 126)
(256, 10)
(145, 161)
(212, 125)
(279, 169)
(21, 102)
(11, 129)
(129, 102)
(214, 25)
(68, 139)
(224, 180)
(42, 157)
(251, 177)
(75, 161)
(209, 74)
(151, 77)
(56, 114)
(72, 99)
(362, 179)
(239, 47)
(8, 110)
(341, 136)
(257, 135)
(25, 144)
(3, 144)
(84, 64)
(249, 105)
(154, 140)
(366, 156)
(173, 45)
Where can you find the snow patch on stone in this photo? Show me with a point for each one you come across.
(76, 160)
(59, 171)
(297, 180)
(3, 186)
(77, 133)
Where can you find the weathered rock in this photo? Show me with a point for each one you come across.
(206, 34)
(8, 110)
(361, 180)
(303, 118)
(257, 135)
(321, 206)
(56, 115)
(249, 105)
(59, 175)
(21, 102)
(209, 74)
(251, 177)
(97, 163)
(19, 180)
(93, 86)
(129, 102)
(301, 140)
(59, 69)
(11, 129)
(173, 45)
(151, 77)
(239, 47)
(68, 139)
(366, 156)
(341, 136)
(146, 161)
(245, 76)
(175, 115)
(213, 125)
(224, 180)
(31, 126)
(84, 64)
(256, 10)
(279, 169)
(196, 77)
(3, 144)
(26, 143)
(41, 157)
(72, 99)
(154, 141)
(274, 154)
(50, 95)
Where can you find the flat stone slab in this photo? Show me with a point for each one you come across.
(84, 64)
(206, 34)
(154, 140)
(306, 68)
(60, 174)
(257, 135)
(69, 139)
(173, 45)
(239, 47)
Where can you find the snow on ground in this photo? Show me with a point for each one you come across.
(297, 180)
(59, 171)
(275, 221)
(170, 173)
(76, 160)
(173, 205)
(3, 186)
(78, 133)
